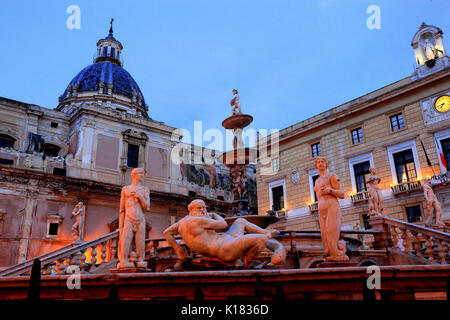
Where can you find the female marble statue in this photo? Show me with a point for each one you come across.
(376, 200)
(328, 190)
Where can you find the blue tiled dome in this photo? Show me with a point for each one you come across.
(89, 79)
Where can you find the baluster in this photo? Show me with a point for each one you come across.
(82, 260)
(59, 266)
(441, 251)
(429, 251)
(103, 250)
(416, 240)
(113, 253)
(45, 270)
(394, 234)
(406, 241)
(93, 256)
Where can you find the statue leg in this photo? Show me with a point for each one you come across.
(438, 212)
(337, 247)
(246, 246)
(323, 233)
(380, 203)
(125, 244)
(140, 244)
(241, 225)
(279, 252)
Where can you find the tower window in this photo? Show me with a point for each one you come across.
(315, 148)
(105, 51)
(133, 156)
(6, 141)
(113, 52)
(397, 122)
(54, 124)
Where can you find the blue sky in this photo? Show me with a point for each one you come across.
(290, 60)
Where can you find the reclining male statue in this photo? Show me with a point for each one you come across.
(198, 230)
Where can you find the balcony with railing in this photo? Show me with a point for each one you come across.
(313, 207)
(360, 197)
(406, 187)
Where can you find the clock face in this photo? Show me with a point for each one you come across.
(442, 104)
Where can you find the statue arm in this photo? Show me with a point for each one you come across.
(145, 199)
(336, 187)
(214, 222)
(122, 210)
(169, 234)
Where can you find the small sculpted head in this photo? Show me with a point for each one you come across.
(197, 208)
(426, 180)
(321, 163)
(235, 91)
(372, 171)
(137, 174)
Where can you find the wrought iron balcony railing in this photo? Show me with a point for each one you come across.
(406, 187)
(360, 197)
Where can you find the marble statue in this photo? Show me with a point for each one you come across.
(376, 200)
(78, 226)
(431, 202)
(198, 230)
(428, 50)
(328, 190)
(235, 104)
(361, 236)
(134, 200)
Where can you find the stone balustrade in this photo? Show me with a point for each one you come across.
(88, 256)
(426, 243)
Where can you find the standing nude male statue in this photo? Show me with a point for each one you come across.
(198, 230)
(134, 200)
(376, 202)
(431, 202)
(328, 190)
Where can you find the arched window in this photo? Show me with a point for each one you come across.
(6, 141)
(51, 150)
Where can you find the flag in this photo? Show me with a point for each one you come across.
(441, 154)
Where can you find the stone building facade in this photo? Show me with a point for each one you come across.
(84, 150)
(401, 130)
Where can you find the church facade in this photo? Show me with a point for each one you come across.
(402, 130)
(84, 150)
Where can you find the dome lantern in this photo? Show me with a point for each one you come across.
(109, 49)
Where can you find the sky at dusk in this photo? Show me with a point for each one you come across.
(290, 60)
